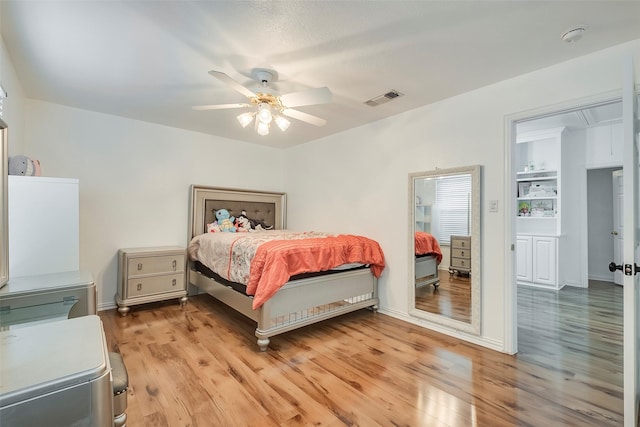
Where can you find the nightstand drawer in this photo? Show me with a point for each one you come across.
(461, 253)
(458, 242)
(155, 264)
(154, 285)
(460, 262)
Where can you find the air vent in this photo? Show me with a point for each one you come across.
(392, 94)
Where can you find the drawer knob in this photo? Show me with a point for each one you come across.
(175, 264)
(139, 266)
(139, 287)
(462, 253)
(174, 282)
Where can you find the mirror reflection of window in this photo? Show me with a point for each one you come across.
(452, 208)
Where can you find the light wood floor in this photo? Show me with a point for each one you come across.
(200, 367)
(452, 298)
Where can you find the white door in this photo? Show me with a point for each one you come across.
(631, 253)
(618, 223)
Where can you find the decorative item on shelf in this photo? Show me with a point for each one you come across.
(23, 165)
(523, 189)
(524, 209)
(542, 189)
(542, 208)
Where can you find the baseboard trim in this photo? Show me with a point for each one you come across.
(479, 340)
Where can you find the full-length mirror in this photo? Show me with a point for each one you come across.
(444, 228)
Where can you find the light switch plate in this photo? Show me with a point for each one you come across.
(493, 206)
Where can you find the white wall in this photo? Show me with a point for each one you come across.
(357, 181)
(135, 178)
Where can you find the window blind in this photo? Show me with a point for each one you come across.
(453, 202)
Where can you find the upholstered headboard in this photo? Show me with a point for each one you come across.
(260, 206)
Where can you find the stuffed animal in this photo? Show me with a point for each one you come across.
(213, 227)
(225, 221)
(242, 224)
(255, 224)
(22, 165)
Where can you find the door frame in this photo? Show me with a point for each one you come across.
(510, 289)
(618, 250)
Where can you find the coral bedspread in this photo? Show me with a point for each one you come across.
(427, 244)
(265, 261)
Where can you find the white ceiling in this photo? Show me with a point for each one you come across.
(148, 60)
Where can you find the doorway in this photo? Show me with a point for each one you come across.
(584, 124)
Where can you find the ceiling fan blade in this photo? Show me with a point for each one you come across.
(219, 106)
(307, 118)
(232, 83)
(321, 95)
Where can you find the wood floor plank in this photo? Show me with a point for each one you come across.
(200, 366)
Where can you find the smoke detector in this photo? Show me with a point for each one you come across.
(574, 34)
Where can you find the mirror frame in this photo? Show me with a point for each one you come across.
(474, 326)
(4, 212)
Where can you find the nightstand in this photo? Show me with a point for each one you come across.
(150, 274)
(460, 255)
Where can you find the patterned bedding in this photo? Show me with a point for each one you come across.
(265, 261)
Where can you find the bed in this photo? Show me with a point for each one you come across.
(304, 299)
(428, 256)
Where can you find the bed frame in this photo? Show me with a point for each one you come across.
(427, 271)
(299, 302)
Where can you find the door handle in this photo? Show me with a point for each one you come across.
(629, 270)
(614, 233)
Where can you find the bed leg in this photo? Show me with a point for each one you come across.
(263, 343)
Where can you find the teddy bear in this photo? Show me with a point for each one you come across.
(225, 221)
(22, 165)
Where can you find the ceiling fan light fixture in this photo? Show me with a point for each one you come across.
(262, 128)
(282, 123)
(264, 113)
(245, 119)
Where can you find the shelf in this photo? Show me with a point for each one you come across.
(536, 217)
(539, 174)
(539, 198)
(537, 178)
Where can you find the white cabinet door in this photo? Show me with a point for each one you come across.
(544, 260)
(524, 260)
(604, 146)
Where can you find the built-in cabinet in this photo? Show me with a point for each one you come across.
(537, 258)
(603, 148)
(539, 195)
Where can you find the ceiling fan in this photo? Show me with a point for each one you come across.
(267, 106)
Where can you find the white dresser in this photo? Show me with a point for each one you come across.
(151, 274)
